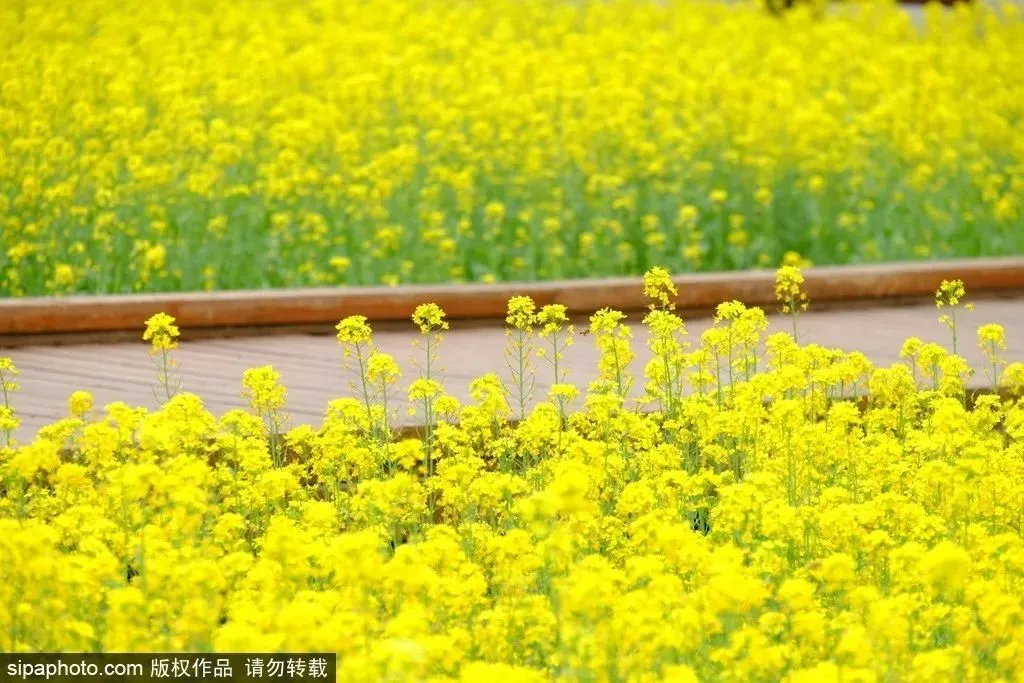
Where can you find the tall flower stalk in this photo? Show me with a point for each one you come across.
(613, 339)
(949, 295)
(992, 341)
(557, 334)
(425, 390)
(382, 373)
(9, 422)
(374, 374)
(666, 330)
(267, 396)
(519, 351)
(789, 292)
(162, 333)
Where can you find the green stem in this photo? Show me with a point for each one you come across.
(164, 377)
(362, 381)
(7, 404)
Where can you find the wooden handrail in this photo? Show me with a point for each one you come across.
(319, 306)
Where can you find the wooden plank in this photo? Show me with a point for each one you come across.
(212, 369)
(242, 360)
(95, 371)
(322, 306)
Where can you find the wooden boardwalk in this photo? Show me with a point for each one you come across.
(311, 364)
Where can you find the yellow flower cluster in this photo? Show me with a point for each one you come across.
(787, 512)
(189, 144)
(162, 333)
(789, 289)
(9, 422)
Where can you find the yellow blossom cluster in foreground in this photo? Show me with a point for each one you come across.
(202, 144)
(777, 512)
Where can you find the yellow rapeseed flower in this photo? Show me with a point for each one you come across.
(80, 403)
(520, 314)
(429, 318)
(354, 330)
(161, 332)
(261, 387)
(658, 287)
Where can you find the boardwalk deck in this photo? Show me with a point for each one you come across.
(311, 365)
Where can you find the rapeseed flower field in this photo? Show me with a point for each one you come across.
(778, 511)
(195, 144)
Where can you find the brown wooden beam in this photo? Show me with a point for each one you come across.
(258, 310)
